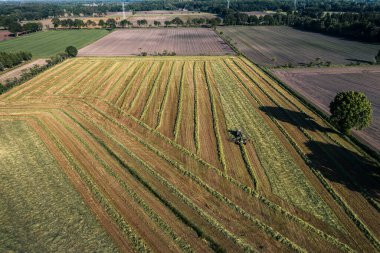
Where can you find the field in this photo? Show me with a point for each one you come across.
(276, 46)
(183, 41)
(53, 217)
(321, 85)
(146, 139)
(4, 35)
(50, 43)
(167, 16)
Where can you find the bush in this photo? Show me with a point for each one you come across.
(9, 60)
(71, 51)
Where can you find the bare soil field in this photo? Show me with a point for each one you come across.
(149, 141)
(276, 46)
(182, 41)
(321, 85)
(4, 35)
(15, 73)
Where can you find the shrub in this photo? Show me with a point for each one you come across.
(71, 51)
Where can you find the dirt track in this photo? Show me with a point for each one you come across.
(183, 41)
(321, 85)
(18, 71)
(4, 35)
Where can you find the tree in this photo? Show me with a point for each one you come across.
(101, 23)
(351, 109)
(142, 22)
(111, 23)
(157, 23)
(56, 22)
(377, 57)
(124, 23)
(15, 28)
(177, 21)
(167, 23)
(71, 51)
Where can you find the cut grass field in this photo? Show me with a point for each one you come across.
(279, 45)
(40, 209)
(50, 43)
(152, 132)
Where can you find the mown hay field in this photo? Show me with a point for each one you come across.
(280, 45)
(40, 209)
(49, 43)
(321, 85)
(148, 138)
(182, 41)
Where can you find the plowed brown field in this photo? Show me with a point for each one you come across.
(321, 85)
(182, 41)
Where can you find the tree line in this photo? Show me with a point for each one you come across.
(112, 23)
(9, 60)
(14, 26)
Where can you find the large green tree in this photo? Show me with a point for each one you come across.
(351, 109)
(71, 51)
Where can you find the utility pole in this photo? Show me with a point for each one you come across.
(123, 11)
(228, 4)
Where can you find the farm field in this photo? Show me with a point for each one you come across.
(4, 35)
(277, 46)
(321, 85)
(54, 216)
(50, 43)
(161, 16)
(183, 41)
(147, 139)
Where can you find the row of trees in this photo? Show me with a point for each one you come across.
(112, 23)
(358, 26)
(14, 26)
(9, 60)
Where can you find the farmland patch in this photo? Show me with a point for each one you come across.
(182, 41)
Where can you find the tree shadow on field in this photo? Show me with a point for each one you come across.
(298, 119)
(359, 60)
(343, 166)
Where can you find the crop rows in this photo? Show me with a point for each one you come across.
(319, 175)
(126, 121)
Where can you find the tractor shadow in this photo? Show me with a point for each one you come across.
(343, 166)
(298, 119)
